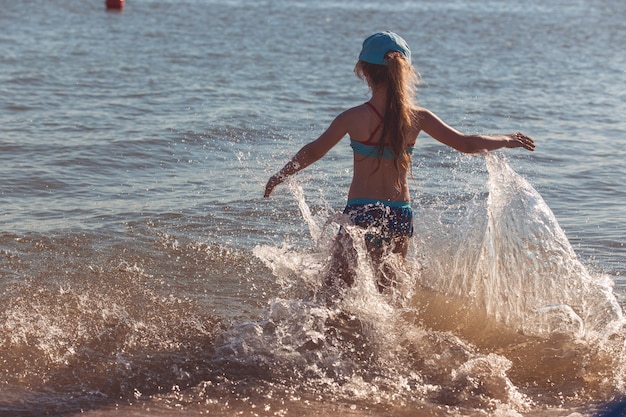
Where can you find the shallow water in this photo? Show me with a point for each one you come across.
(143, 274)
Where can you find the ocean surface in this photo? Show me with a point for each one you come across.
(143, 274)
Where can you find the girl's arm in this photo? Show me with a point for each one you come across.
(447, 135)
(310, 152)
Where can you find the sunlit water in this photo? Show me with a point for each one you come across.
(143, 274)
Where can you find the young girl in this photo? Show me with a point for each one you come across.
(382, 135)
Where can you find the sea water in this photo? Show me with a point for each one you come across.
(142, 273)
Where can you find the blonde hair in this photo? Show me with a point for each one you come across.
(401, 80)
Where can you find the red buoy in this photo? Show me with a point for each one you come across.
(115, 4)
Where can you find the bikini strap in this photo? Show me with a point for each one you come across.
(371, 106)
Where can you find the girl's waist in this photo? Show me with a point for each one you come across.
(374, 201)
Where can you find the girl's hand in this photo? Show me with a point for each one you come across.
(520, 140)
(272, 183)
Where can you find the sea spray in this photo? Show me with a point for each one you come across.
(505, 277)
(315, 229)
(510, 257)
(110, 340)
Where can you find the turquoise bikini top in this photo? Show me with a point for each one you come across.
(368, 148)
(363, 149)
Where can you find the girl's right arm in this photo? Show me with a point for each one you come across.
(310, 152)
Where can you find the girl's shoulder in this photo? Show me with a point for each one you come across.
(356, 110)
(421, 115)
(419, 111)
(354, 114)
(355, 121)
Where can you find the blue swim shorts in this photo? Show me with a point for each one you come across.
(385, 220)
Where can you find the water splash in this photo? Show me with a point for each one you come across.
(510, 256)
(499, 304)
(102, 330)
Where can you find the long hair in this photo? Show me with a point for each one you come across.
(401, 81)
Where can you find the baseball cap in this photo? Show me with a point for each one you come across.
(377, 45)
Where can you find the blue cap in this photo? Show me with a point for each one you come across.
(376, 46)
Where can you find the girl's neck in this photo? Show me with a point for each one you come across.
(379, 97)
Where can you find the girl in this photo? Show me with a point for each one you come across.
(382, 134)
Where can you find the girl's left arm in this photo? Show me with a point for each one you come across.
(447, 135)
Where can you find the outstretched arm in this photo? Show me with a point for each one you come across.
(310, 153)
(447, 135)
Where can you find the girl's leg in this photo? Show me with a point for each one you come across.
(343, 262)
(379, 254)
